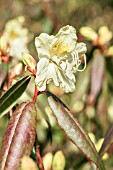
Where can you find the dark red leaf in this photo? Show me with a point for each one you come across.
(97, 74)
(19, 137)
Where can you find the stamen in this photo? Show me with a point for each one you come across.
(84, 64)
(77, 62)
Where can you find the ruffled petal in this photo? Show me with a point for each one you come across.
(81, 49)
(41, 74)
(48, 71)
(64, 41)
(66, 82)
(43, 45)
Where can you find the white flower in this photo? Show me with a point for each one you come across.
(16, 36)
(59, 58)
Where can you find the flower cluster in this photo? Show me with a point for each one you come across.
(15, 38)
(59, 59)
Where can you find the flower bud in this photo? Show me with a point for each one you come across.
(47, 161)
(58, 161)
(28, 60)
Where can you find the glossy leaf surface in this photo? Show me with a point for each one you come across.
(9, 99)
(72, 128)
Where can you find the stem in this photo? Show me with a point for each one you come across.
(8, 82)
(39, 159)
(6, 58)
(36, 92)
(10, 112)
(32, 70)
(102, 167)
(8, 86)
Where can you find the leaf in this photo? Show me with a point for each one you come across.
(107, 142)
(97, 74)
(3, 72)
(102, 107)
(9, 99)
(19, 137)
(72, 128)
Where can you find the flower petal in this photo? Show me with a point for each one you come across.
(41, 74)
(17, 36)
(64, 41)
(48, 71)
(43, 45)
(18, 46)
(45, 73)
(81, 49)
(67, 81)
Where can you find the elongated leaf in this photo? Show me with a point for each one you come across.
(73, 129)
(97, 74)
(107, 142)
(19, 137)
(9, 99)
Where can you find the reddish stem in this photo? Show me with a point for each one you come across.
(6, 58)
(32, 70)
(8, 83)
(39, 159)
(11, 112)
(36, 92)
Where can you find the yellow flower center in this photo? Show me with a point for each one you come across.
(58, 49)
(14, 35)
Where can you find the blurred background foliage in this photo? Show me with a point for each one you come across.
(92, 102)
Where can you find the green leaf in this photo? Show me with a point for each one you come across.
(20, 136)
(74, 131)
(9, 99)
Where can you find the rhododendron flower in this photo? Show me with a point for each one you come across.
(59, 59)
(16, 36)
